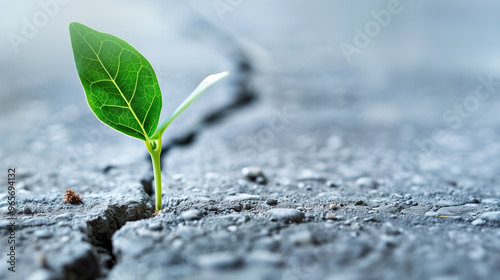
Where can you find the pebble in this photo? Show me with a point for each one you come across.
(241, 197)
(478, 222)
(309, 175)
(27, 210)
(271, 201)
(430, 213)
(261, 180)
(473, 200)
(334, 183)
(360, 203)
(285, 215)
(219, 260)
(370, 219)
(366, 182)
(333, 206)
(191, 215)
(330, 216)
(252, 173)
(467, 209)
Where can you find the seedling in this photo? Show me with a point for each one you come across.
(122, 89)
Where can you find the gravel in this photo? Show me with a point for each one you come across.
(285, 215)
(336, 147)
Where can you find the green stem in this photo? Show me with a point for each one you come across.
(154, 149)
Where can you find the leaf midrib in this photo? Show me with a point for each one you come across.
(114, 82)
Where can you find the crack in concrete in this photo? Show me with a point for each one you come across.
(243, 96)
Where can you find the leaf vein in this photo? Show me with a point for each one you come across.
(121, 93)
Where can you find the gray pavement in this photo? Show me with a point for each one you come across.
(302, 164)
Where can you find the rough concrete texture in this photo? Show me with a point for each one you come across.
(298, 166)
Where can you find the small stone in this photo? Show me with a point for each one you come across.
(191, 215)
(27, 210)
(366, 182)
(252, 173)
(310, 175)
(333, 206)
(271, 201)
(285, 215)
(232, 228)
(359, 203)
(241, 197)
(220, 260)
(478, 222)
(334, 183)
(261, 180)
(431, 213)
(370, 219)
(330, 216)
(473, 200)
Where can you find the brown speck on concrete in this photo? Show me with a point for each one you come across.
(71, 197)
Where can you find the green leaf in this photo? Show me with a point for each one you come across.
(121, 86)
(204, 85)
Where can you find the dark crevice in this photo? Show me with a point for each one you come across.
(101, 230)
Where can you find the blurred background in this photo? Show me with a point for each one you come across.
(371, 65)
